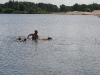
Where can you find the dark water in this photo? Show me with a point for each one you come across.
(74, 49)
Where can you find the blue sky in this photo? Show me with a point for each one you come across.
(59, 2)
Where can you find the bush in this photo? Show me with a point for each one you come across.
(0, 10)
(87, 10)
(8, 10)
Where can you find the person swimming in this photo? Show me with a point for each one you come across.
(48, 38)
(21, 39)
(34, 36)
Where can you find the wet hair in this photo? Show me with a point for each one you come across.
(36, 31)
(49, 38)
(25, 39)
(19, 38)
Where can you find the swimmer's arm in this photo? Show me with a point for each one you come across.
(29, 35)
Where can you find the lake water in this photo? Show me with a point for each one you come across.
(74, 49)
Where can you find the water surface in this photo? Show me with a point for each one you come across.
(74, 49)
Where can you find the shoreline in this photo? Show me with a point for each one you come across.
(95, 12)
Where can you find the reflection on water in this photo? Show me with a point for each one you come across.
(74, 49)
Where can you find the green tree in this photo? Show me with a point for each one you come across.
(8, 10)
(87, 10)
(95, 6)
(0, 9)
(75, 7)
(30, 7)
(62, 8)
(10, 4)
(82, 7)
(22, 7)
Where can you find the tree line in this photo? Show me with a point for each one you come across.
(43, 8)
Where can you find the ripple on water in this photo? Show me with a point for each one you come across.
(74, 49)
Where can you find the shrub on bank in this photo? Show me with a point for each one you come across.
(87, 10)
(8, 10)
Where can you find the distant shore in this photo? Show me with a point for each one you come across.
(95, 12)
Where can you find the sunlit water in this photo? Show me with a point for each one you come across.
(74, 49)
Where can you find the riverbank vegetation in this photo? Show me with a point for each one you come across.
(43, 8)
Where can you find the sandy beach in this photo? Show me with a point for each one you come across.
(95, 12)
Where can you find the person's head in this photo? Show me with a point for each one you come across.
(24, 39)
(49, 38)
(19, 38)
(36, 31)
